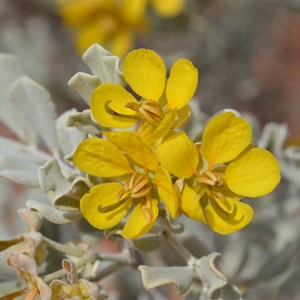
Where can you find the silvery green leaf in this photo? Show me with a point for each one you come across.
(52, 214)
(105, 68)
(68, 138)
(10, 70)
(69, 200)
(20, 162)
(18, 169)
(52, 181)
(103, 64)
(230, 292)
(28, 153)
(155, 276)
(35, 104)
(84, 84)
(63, 194)
(83, 121)
(147, 243)
(212, 279)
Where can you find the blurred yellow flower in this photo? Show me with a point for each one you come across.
(138, 182)
(112, 23)
(220, 172)
(163, 103)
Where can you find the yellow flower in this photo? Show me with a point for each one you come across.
(112, 23)
(220, 172)
(107, 22)
(138, 183)
(161, 100)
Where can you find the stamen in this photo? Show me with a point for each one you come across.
(210, 178)
(147, 210)
(211, 175)
(132, 105)
(206, 181)
(138, 185)
(144, 129)
(151, 111)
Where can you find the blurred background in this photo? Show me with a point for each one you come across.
(247, 52)
(248, 56)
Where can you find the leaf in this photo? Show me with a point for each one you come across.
(84, 84)
(83, 122)
(52, 214)
(147, 243)
(68, 138)
(35, 104)
(213, 280)
(52, 180)
(231, 292)
(103, 64)
(70, 199)
(20, 162)
(16, 168)
(10, 70)
(154, 276)
(63, 194)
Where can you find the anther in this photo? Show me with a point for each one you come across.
(138, 185)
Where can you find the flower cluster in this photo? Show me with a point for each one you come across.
(110, 22)
(151, 164)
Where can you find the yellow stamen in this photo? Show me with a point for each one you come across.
(138, 185)
(206, 181)
(150, 110)
(210, 178)
(147, 210)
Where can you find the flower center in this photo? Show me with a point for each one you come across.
(210, 178)
(149, 109)
(137, 186)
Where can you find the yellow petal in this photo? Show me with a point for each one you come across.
(168, 8)
(179, 155)
(240, 215)
(108, 106)
(135, 147)
(101, 158)
(134, 10)
(145, 72)
(89, 34)
(181, 84)
(162, 129)
(253, 174)
(104, 195)
(122, 42)
(183, 115)
(166, 191)
(75, 13)
(190, 204)
(225, 137)
(139, 224)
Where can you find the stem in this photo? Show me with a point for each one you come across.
(71, 250)
(113, 267)
(178, 247)
(121, 258)
(60, 273)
